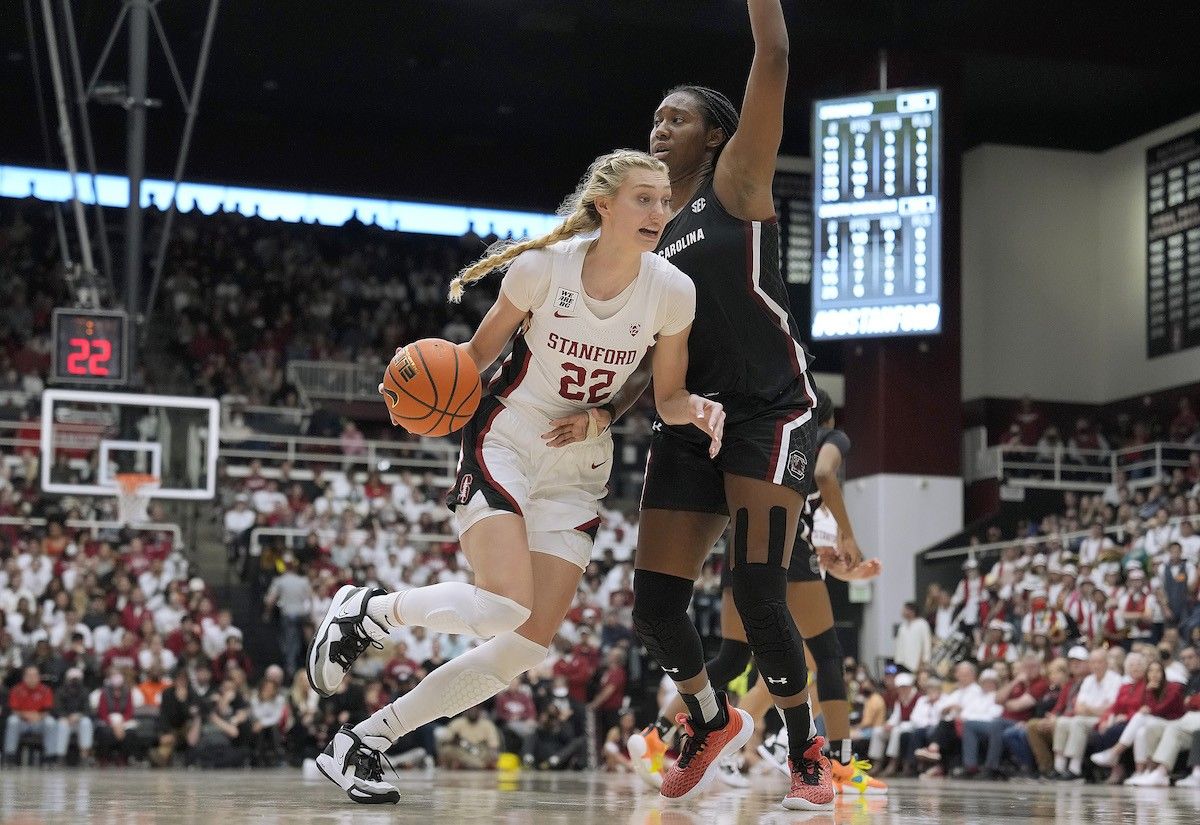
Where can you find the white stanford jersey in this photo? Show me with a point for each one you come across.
(566, 358)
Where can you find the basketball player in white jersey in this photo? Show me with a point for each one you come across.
(582, 310)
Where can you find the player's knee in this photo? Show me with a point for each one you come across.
(760, 593)
(660, 619)
(495, 614)
(827, 656)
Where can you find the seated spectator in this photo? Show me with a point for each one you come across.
(30, 704)
(73, 715)
(1161, 702)
(155, 656)
(268, 709)
(471, 741)
(616, 754)
(1097, 693)
(1130, 698)
(516, 714)
(1018, 699)
(885, 740)
(942, 739)
(872, 713)
(232, 655)
(221, 736)
(979, 710)
(302, 720)
(558, 742)
(116, 705)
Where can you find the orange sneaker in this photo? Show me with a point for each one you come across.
(700, 755)
(812, 780)
(854, 777)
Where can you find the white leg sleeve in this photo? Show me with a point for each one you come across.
(461, 683)
(454, 607)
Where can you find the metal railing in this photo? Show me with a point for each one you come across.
(300, 533)
(983, 551)
(1064, 468)
(437, 456)
(335, 380)
(94, 527)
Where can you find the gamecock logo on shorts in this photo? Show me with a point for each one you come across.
(464, 489)
(814, 564)
(797, 465)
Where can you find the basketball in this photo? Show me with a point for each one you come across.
(431, 388)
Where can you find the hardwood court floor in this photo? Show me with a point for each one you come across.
(140, 797)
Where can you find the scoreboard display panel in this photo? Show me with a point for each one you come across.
(90, 347)
(877, 215)
(1173, 245)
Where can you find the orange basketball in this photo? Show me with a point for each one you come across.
(431, 388)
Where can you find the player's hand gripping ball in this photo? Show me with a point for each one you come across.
(431, 387)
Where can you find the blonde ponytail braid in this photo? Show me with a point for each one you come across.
(603, 178)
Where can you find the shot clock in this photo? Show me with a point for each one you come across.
(90, 347)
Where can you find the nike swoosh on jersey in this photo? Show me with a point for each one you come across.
(601, 464)
(556, 315)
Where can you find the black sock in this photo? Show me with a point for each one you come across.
(664, 726)
(697, 714)
(798, 721)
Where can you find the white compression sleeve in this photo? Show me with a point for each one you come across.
(461, 683)
(453, 607)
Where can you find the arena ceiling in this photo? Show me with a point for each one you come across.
(504, 101)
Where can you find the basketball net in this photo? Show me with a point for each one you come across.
(133, 497)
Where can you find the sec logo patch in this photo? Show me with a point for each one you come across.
(698, 205)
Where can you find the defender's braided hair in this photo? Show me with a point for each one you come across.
(719, 112)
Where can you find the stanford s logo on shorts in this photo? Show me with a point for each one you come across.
(464, 489)
(797, 465)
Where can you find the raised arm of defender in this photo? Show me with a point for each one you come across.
(746, 167)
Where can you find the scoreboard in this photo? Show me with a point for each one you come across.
(1173, 245)
(877, 237)
(90, 347)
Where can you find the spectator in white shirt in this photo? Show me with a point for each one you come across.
(1189, 541)
(1158, 535)
(1096, 695)
(60, 633)
(914, 639)
(153, 654)
(108, 635)
(154, 582)
(168, 617)
(215, 633)
(1095, 545)
(36, 569)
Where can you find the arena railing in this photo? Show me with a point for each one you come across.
(1064, 468)
(258, 533)
(421, 456)
(981, 552)
(95, 526)
(334, 380)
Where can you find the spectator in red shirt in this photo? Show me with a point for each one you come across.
(30, 702)
(400, 667)
(233, 654)
(1162, 701)
(611, 693)
(1031, 422)
(135, 612)
(1017, 699)
(516, 714)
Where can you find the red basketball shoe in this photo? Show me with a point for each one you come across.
(812, 780)
(702, 752)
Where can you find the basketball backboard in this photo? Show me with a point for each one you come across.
(89, 437)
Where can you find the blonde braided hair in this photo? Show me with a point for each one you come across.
(604, 177)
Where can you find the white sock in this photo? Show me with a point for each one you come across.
(1060, 763)
(460, 683)
(1075, 766)
(709, 709)
(846, 753)
(450, 607)
(1196, 771)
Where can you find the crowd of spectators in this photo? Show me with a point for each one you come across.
(1035, 644)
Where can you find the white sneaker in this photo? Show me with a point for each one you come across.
(774, 752)
(642, 766)
(357, 769)
(729, 772)
(1156, 778)
(1191, 781)
(1105, 758)
(344, 634)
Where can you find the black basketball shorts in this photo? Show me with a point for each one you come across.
(769, 442)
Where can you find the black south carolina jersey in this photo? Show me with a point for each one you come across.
(744, 341)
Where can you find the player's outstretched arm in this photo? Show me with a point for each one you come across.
(675, 404)
(746, 167)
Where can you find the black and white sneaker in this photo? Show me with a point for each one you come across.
(357, 769)
(774, 752)
(344, 634)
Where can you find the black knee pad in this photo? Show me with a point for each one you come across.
(826, 651)
(660, 618)
(729, 663)
(760, 593)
